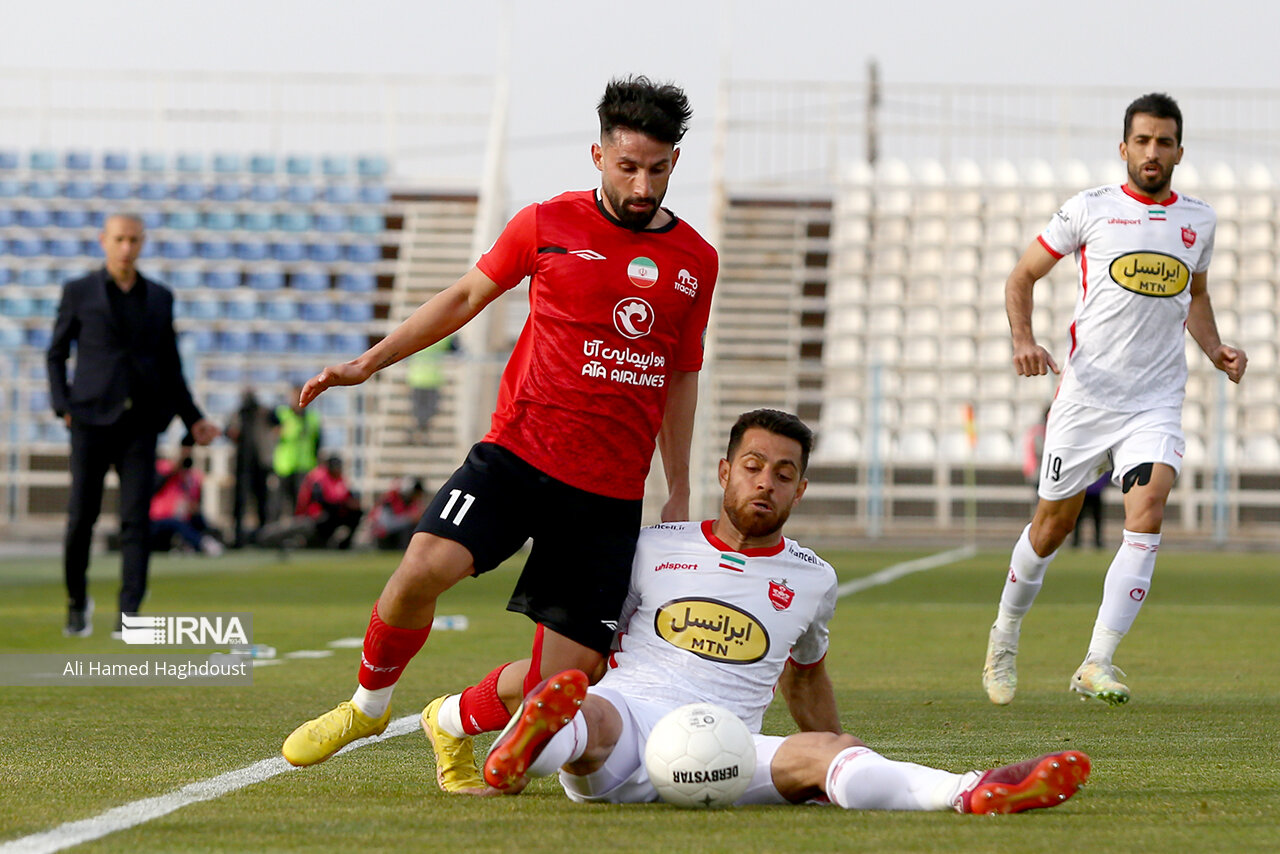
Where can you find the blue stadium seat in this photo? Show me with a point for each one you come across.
(288, 252)
(265, 374)
(42, 189)
(262, 164)
(225, 374)
(272, 341)
(93, 249)
(214, 250)
(336, 166)
(35, 218)
(341, 194)
(222, 280)
(149, 250)
(97, 219)
(26, 247)
(251, 250)
(79, 189)
(350, 343)
(189, 191)
(65, 218)
(190, 163)
(367, 223)
(309, 280)
(234, 341)
(150, 219)
(37, 400)
(355, 312)
(38, 337)
(257, 220)
(42, 161)
(226, 192)
(183, 219)
(9, 189)
(202, 309)
(318, 312)
(153, 191)
(183, 279)
(266, 280)
(311, 342)
(151, 161)
(55, 432)
(115, 191)
(64, 247)
(298, 164)
(226, 163)
(6, 276)
(293, 221)
(36, 277)
(358, 283)
(78, 161)
(372, 166)
(115, 161)
(204, 340)
(330, 222)
(48, 307)
(219, 219)
(323, 253)
(10, 337)
(374, 194)
(17, 305)
(280, 310)
(240, 309)
(178, 249)
(8, 216)
(300, 194)
(264, 193)
(363, 253)
(8, 160)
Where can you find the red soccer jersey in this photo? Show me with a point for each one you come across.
(612, 313)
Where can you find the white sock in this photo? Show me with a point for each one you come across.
(450, 716)
(372, 703)
(1026, 575)
(1123, 592)
(861, 779)
(564, 747)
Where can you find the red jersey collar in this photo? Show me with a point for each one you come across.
(765, 551)
(1147, 200)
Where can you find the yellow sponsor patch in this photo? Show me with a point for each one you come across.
(1152, 274)
(714, 630)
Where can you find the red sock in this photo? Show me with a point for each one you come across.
(387, 650)
(534, 676)
(481, 708)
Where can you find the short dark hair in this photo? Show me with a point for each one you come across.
(775, 421)
(1156, 104)
(660, 110)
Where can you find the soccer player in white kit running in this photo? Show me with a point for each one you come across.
(723, 611)
(1143, 252)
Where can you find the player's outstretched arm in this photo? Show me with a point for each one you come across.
(1204, 329)
(674, 440)
(810, 697)
(443, 314)
(1029, 358)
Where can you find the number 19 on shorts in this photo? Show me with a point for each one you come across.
(454, 495)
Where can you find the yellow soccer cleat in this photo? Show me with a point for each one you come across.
(455, 757)
(1098, 680)
(317, 740)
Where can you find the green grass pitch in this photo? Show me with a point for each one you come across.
(1189, 765)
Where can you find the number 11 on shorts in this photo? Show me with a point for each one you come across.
(467, 499)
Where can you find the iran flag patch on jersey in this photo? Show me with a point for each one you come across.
(642, 272)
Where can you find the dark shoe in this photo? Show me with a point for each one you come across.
(79, 621)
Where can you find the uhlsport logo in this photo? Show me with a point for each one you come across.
(633, 317)
(642, 272)
(186, 630)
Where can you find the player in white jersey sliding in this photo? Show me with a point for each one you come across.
(723, 611)
(1143, 252)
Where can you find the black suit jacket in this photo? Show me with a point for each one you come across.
(98, 393)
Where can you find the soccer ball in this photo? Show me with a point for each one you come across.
(700, 755)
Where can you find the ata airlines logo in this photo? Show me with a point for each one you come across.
(633, 317)
(642, 272)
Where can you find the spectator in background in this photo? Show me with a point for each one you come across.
(396, 514)
(426, 375)
(326, 499)
(175, 506)
(1092, 507)
(297, 448)
(128, 386)
(253, 428)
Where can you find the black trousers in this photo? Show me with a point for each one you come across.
(251, 483)
(131, 449)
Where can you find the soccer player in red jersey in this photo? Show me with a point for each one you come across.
(605, 368)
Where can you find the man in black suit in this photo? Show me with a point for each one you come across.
(127, 387)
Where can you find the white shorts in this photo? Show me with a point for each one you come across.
(1082, 442)
(623, 779)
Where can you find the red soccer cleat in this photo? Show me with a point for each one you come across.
(1036, 783)
(545, 711)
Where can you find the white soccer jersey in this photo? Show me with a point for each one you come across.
(1136, 258)
(704, 623)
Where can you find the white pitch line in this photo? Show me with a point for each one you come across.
(898, 570)
(141, 811)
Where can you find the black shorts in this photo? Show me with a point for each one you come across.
(575, 580)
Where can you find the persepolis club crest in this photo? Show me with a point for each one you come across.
(780, 595)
